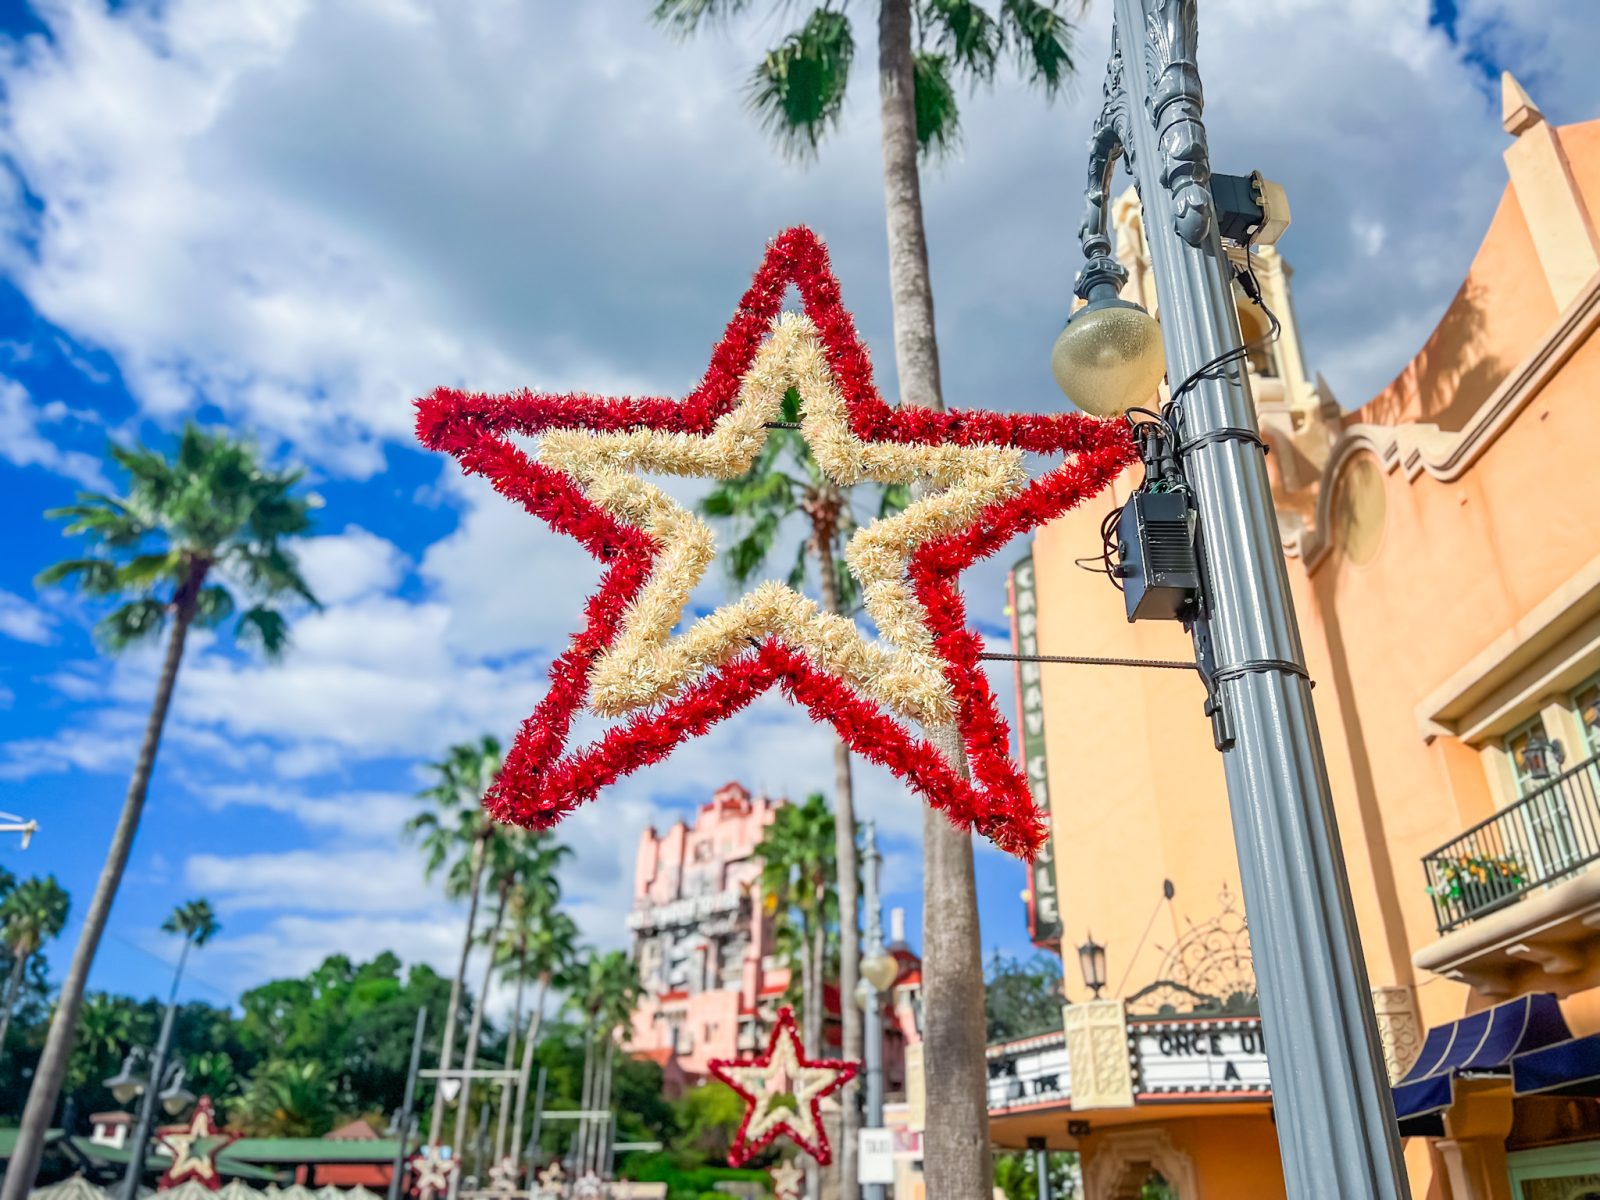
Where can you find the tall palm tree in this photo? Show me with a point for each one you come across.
(798, 871)
(196, 923)
(541, 946)
(785, 482)
(194, 535)
(797, 91)
(606, 989)
(33, 913)
(455, 834)
(516, 858)
(537, 944)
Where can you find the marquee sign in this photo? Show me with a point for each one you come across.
(1044, 903)
(1205, 1056)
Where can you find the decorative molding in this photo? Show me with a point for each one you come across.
(1112, 1155)
(1097, 1051)
(1446, 455)
(1399, 1028)
(1172, 35)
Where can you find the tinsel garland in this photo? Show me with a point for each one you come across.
(782, 1073)
(624, 660)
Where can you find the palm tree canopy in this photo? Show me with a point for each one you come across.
(451, 828)
(193, 920)
(607, 989)
(798, 89)
(34, 912)
(195, 534)
(785, 481)
(797, 852)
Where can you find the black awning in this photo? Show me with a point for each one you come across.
(1483, 1044)
(1570, 1068)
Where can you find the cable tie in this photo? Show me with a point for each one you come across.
(1261, 665)
(1228, 433)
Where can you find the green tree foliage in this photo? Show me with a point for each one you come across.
(285, 1098)
(31, 914)
(1022, 998)
(1014, 1175)
(798, 873)
(354, 1019)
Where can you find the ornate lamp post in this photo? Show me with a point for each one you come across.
(1092, 962)
(164, 1084)
(1335, 1117)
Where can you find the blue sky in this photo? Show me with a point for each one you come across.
(294, 217)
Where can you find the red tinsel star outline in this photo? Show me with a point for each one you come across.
(540, 782)
(185, 1164)
(741, 1152)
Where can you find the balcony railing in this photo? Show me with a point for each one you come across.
(1547, 835)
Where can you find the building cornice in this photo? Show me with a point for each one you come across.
(1445, 455)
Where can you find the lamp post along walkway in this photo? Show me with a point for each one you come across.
(1334, 1114)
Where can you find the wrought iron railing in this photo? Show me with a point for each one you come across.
(1544, 837)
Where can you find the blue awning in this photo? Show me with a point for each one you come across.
(1570, 1068)
(1483, 1044)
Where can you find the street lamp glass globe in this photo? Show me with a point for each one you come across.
(864, 994)
(1109, 358)
(122, 1093)
(880, 970)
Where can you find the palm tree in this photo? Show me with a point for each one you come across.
(455, 834)
(537, 944)
(798, 91)
(287, 1099)
(515, 859)
(606, 990)
(785, 481)
(197, 924)
(194, 535)
(33, 913)
(798, 870)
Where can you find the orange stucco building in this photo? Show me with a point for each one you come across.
(1444, 556)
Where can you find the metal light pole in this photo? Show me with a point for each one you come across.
(150, 1095)
(1039, 1148)
(1334, 1115)
(872, 1029)
(406, 1115)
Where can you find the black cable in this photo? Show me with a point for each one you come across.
(1246, 277)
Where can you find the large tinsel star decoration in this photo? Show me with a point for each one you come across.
(194, 1150)
(665, 686)
(783, 1092)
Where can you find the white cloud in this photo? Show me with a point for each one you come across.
(24, 442)
(24, 621)
(345, 879)
(353, 813)
(349, 565)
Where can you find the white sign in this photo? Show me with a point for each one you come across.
(1178, 1057)
(875, 1164)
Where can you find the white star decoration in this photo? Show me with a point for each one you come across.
(787, 1181)
(503, 1175)
(432, 1170)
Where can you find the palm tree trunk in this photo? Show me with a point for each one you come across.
(447, 1046)
(811, 1022)
(13, 984)
(511, 1057)
(52, 1068)
(844, 825)
(469, 1056)
(601, 1149)
(956, 1163)
(580, 1141)
(528, 1047)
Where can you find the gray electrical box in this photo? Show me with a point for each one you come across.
(1157, 563)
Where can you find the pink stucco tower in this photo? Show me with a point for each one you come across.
(702, 938)
(704, 944)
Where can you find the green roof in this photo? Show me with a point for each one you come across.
(8, 1140)
(311, 1150)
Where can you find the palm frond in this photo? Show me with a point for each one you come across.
(264, 626)
(938, 114)
(96, 576)
(1041, 37)
(685, 17)
(965, 31)
(134, 622)
(213, 606)
(798, 90)
(749, 553)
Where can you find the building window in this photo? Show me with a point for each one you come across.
(1586, 707)
(1516, 744)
